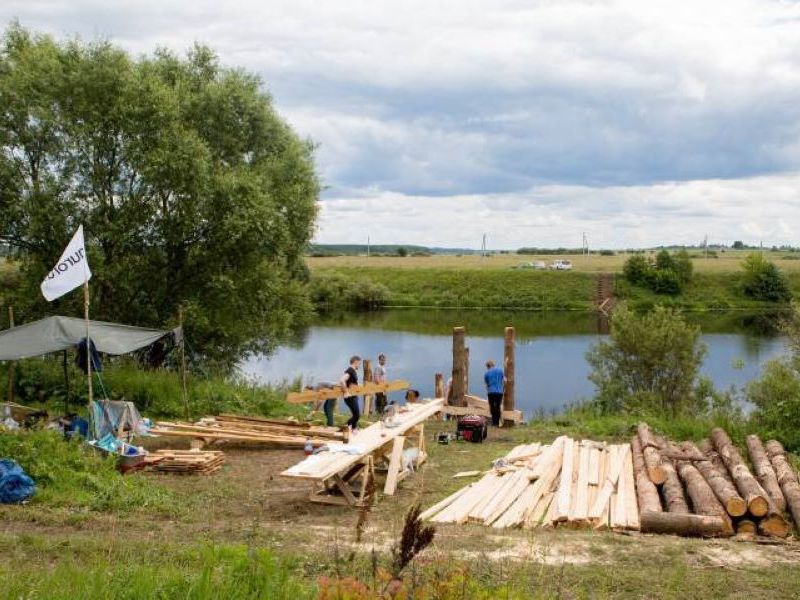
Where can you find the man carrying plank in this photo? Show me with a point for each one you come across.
(327, 405)
(349, 378)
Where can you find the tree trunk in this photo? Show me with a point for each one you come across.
(764, 471)
(683, 524)
(704, 502)
(787, 478)
(646, 491)
(724, 489)
(749, 488)
(674, 498)
(652, 456)
(707, 448)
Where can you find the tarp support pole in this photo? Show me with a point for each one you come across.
(10, 394)
(89, 357)
(184, 392)
(66, 384)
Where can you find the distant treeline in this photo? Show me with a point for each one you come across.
(381, 249)
(548, 251)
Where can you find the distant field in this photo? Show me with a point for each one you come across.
(727, 262)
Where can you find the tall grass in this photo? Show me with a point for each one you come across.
(70, 474)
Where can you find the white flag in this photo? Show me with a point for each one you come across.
(71, 270)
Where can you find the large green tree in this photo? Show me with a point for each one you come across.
(192, 190)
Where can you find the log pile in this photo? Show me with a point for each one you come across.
(198, 462)
(237, 428)
(710, 490)
(567, 483)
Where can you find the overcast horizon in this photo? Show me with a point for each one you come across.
(641, 124)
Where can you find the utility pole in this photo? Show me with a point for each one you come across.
(483, 247)
(585, 245)
(367, 245)
(705, 245)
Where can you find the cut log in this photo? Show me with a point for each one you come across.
(674, 498)
(753, 494)
(683, 524)
(764, 471)
(707, 448)
(774, 524)
(704, 501)
(652, 455)
(723, 488)
(787, 478)
(646, 491)
(746, 526)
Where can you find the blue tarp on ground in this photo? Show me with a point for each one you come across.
(15, 485)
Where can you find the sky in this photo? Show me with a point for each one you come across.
(638, 123)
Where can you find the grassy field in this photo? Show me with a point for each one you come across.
(727, 262)
(247, 533)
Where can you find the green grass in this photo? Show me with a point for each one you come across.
(519, 290)
(71, 476)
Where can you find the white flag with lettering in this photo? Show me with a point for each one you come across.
(71, 270)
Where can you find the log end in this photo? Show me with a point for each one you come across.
(746, 526)
(774, 525)
(658, 475)
(758, 506)
(736, 507)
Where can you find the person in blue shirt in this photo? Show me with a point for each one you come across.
(495, 384)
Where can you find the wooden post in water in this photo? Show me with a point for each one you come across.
(367, 378)
(10, 394)
(466, 370)
(508, 364)
(438, 385)
(458, 367)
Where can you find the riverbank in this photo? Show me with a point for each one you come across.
(512, 289)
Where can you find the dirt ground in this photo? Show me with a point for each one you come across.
(248, 502)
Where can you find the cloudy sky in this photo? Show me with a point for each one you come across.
(639, 123)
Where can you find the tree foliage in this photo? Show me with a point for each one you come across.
(762, 280)
(191, 189)
(667, 274)
(650, 363)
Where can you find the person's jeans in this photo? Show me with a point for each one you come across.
(328, 408)
(352, 404)
(380, 403)
(496, 408)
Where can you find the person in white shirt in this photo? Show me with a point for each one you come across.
(379, 376)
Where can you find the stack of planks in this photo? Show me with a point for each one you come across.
(569, 482)
(259, 430)
(709, 490)
(201, 462)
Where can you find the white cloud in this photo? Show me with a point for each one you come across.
(643, 122)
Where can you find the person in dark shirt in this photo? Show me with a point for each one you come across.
(327, 405)
(349, 378)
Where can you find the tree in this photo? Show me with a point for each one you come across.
(682, 266)
(738, 245)
(664, 261)
(192, 190)
(401, 251)
(650, 363)
(636, 269)
(762, 280)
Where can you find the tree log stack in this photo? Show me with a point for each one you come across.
(709, 490)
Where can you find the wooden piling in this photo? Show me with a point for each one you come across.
(508, 363)
(438, 385)
(466, 370)
(458, 387)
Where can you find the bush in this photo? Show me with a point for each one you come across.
(764, 281)
(636, 269)
(667, 274)
(664, 281)
(650, 364)
(335, 291)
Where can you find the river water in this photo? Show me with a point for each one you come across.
(551, 368)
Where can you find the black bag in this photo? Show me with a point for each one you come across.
(472, 428)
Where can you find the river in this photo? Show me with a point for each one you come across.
(551, 368)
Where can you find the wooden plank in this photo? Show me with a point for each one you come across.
(619, 519)
(610, 483)
(540, 510)
(395, 464)
(565, 485)
(458, 511)
(442, 504)
(594, 466)
(580, 510)
(337, 392)
(632, 506)
(521, 483)
(466, 474)
(458, 411)
(323, 465)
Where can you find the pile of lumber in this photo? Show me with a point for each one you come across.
(709, 489)
(237, 428)
(201, 462)
(569, 482)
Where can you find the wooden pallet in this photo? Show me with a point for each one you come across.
(201, 462)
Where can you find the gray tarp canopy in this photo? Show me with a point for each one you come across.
(54, 334)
